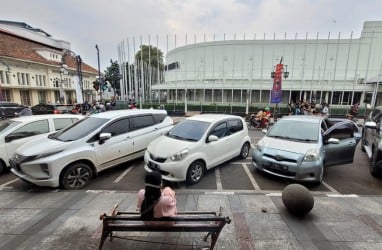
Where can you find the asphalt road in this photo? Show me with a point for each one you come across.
(235, 175)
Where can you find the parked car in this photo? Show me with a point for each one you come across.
(71, 157)
(8, 109)
(371, 140)
(51, 108)
(300, 147)
(197, 144)
(17, 131)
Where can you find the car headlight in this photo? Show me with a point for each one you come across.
(311, 155)
(259, 147)
(180, 155)
(46, 154)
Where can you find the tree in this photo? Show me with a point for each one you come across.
(149, 69)
(113, 75)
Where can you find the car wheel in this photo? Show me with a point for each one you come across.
(2, 167)
(76, 176)
(373, 162)
(244, 152)
(363, 144)
(195, 172)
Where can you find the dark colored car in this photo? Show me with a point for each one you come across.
(371, 140)
(51, 108)
(8, 109)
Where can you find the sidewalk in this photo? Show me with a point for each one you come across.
(70, 220)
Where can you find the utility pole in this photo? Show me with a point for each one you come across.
(99, 74)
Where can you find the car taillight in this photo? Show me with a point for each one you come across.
(56, 111)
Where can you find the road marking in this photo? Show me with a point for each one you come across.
(342, 195)
(219, 185)
(123, 174)
(7, 183)
(329, 187)
(273, 194)
(250, 176)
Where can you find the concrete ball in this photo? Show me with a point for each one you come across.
(297, 199)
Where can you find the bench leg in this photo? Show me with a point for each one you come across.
(214, 238)
(104, 235)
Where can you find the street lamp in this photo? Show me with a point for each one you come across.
(79, 72)
(99, 74)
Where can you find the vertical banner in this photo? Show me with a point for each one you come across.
(78, 89)
(276, 92)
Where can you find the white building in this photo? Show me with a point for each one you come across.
(336, 69)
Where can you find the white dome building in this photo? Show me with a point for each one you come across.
(238, 72)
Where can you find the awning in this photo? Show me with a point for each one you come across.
(374, 80)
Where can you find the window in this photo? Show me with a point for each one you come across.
(220, 130)
(235, 126)
(6, 95)
(139, 122)
(41, 96)
(2, 77)
(24, 97)
(31, 129)
(60, 123)
(158, 118)
(118, 127)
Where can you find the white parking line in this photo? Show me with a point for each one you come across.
(7, 183)
(219, 185)
(250, 176)
(123, 174)
(329, 187)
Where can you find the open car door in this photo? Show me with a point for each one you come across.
(340, 142)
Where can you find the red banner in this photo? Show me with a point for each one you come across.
(276, 89)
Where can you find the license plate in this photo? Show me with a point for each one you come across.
(153, 165)
(279, 167)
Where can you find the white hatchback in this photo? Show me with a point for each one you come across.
(15, 132)
(73, 156)
(197, 144)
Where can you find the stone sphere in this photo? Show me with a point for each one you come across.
(297, 199)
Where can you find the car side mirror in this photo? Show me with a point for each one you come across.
(103, 137)
(212, 138)
(333, 141)
(10, 138)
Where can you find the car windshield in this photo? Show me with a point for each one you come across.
(79, 129)
(6, 125)
(190, 130)
(295, 130)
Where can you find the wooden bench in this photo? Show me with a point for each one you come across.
(210, 222)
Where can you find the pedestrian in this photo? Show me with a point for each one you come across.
(155, 202)
(325, 109)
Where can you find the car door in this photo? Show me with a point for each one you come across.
(235, 137)
(217, 151)
(116, 149)
(342, 152)
(143, 131)
(27, 132)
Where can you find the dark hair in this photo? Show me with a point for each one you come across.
(153, 182)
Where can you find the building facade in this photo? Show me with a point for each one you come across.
(36, 68)
(337, 70)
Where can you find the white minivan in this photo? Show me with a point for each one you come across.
(71, 157)
(15, 132)
(197, 144)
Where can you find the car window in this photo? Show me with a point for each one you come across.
(80, 129)
(288, 129)
(375, 113)
(189, 130)
(6, 125)
(60, 123)
(33, 128)
(118, 127)
(235, 126)
(139, 122)
(158, 118)
(220, 130)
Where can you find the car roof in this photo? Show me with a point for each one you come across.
(304, 118)
(38, 117)
(211, 117)
(117, 113)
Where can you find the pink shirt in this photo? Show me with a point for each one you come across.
(165, 207)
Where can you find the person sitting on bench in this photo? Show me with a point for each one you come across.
(154, 202)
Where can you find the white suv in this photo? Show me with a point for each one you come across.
(15, 132)
(72, 157)
(197, 144)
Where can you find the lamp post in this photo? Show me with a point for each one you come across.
(99, 74)
(79, 72)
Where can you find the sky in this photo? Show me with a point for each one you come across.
(174, 23)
